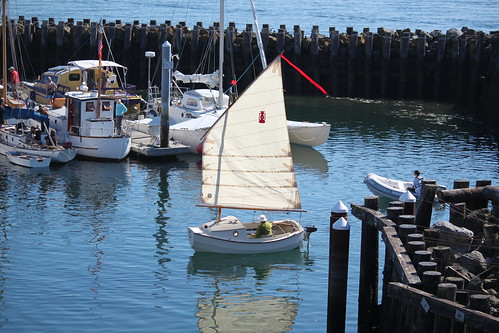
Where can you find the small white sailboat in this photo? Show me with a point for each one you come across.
(247, 164)
(29, 161)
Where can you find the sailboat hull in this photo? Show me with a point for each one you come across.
(229, 236)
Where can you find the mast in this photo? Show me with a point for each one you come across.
(258, 36)
(221, 57)
(99, 78)
(4, 51)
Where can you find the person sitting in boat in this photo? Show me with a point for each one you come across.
(264, 228)
(416, 183)
(52, 139)
(34, 136)
(50, 89)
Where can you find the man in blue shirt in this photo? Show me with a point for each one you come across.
(120, 110)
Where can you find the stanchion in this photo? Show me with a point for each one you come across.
(339, 239)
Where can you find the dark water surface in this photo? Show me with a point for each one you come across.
(92, 246)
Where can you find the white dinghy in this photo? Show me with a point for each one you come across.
(29, 161)
(247, 164)
(388, 187)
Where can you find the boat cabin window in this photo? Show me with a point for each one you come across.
(106, 105)
(208, 101)
(192, 102)
(45, 78)
(90, 106)
(74, 77)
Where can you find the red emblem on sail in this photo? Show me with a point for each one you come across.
(261, 117)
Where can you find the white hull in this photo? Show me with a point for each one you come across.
(229, 236)
(308, 134)
(388, 187)
(112, 148)
(11, 141)
(29, 161)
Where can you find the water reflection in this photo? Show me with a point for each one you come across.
(239, 298)
(309, 159)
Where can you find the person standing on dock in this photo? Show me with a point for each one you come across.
(50, 89)
(119, 112)
(14, 80)
(416, 183)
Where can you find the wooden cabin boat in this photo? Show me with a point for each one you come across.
(83, 75)
(87, 119)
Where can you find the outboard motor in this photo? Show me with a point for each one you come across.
(308, 231)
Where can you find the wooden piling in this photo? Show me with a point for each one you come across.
(423, 216)
(406, 219)
(368, 63)
(352, 62)
(335, 62)
(404, 53)
(338, 274)
(385, 64)
(368, 282)
(439, 68)
(59, 42)
(297, 55)
(446, 291)
(420, 58)
(430, 280)
(393, 213)
(431, 236)
(420, 256)
(442, 255)
(424, 266)
(404, 230)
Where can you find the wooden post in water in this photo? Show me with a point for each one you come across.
(368, 64)
(423, 216)
(420, 51)
(43, 43)
(439, 68)
(352, 61)
(297, 56)
(314, 49)
(484, 203)
(368, 282)
(385, 64)
(409, 203)
(281, 39)
(127, 38)
(476, 59)
(335, 61)
(59, 39)
(339, 238)
(404, 53)
(144, 33)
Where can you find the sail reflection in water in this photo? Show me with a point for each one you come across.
(236, 302)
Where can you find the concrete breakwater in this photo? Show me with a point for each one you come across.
(458, 66)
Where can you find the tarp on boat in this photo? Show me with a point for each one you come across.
(24, 113)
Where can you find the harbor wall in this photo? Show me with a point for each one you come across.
(457, 66)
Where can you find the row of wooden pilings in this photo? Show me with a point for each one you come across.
(460, 65)
(421, 290)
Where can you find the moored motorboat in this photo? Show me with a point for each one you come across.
(29, 161)
(87, 119)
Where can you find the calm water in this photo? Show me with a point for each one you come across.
(422, 14)
(103, 246)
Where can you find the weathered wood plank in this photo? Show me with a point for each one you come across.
(443, 308)
(402, 263)
(372, 217)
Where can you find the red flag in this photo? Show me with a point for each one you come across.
(305, 75)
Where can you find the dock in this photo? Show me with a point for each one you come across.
(146, 145)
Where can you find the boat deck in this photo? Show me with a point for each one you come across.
(145, 145)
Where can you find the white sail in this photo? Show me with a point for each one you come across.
(247, 161)
(211, 80)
